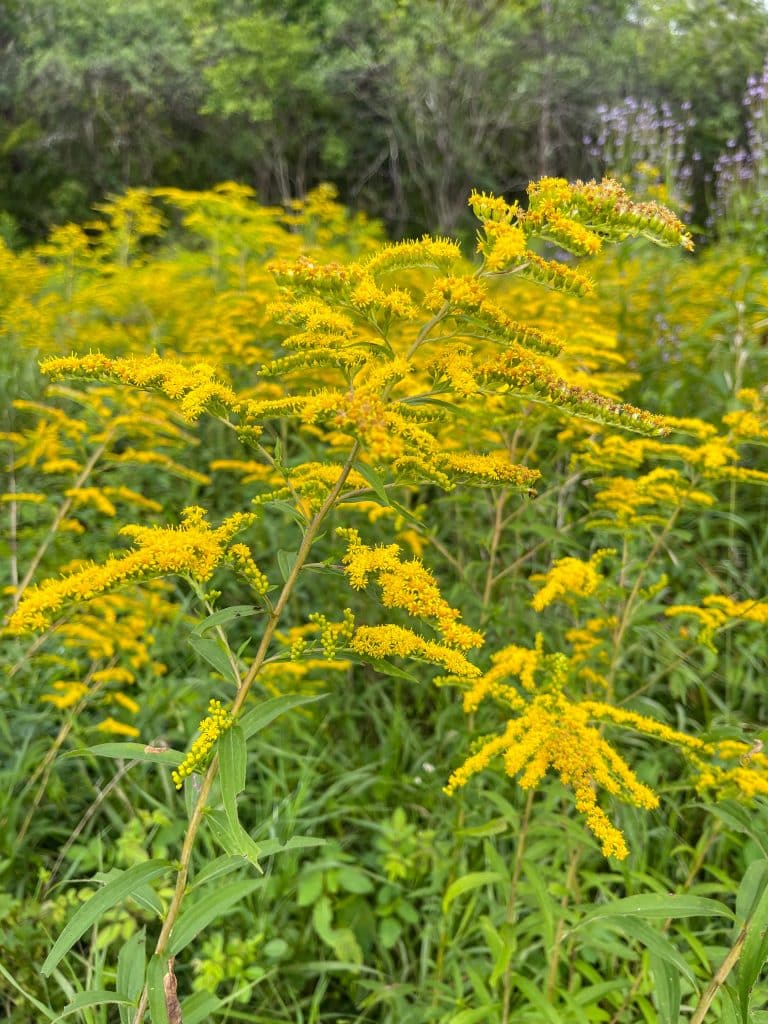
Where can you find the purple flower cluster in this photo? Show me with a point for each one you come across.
(741, 172)
(645, 143)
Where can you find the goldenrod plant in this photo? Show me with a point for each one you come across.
(337, 415)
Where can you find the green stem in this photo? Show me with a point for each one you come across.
(199, 809)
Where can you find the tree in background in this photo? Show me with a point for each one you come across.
(403, 104)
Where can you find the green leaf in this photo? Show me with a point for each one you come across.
(207, 908)
(660, 905)
(537, 999)
(156, 972)
(390, 930)
(217, 868)
(285, 563)
(131, 963)
(266, 712)
(200, 1007)
(213, 652)
(224, 615)
(654, 942)
(288, 509)
(233, 759)
(373, 478)
(492, 827)
(89, 913)
(386, 669)
(354, 880)
(96, 997)
(754, 952)
(474, 1016)
(221, 832)
(474, 880)
(751, 889)
(132, 752)
(666, 989)
(301, 843)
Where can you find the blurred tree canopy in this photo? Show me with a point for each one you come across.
(404, 104)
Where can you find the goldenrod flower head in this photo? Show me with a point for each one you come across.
(194, 387)
(554, 733)
(407, 585)
(217, 721)
(68, 693)
(114, 728)
(503, 245)
(333, 634)
(569, 576)
(424, 252)
(628, 498)
(716, 611)
(194, 548)
(388, 641)
(488, 207)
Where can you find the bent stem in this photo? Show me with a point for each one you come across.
(197, 814)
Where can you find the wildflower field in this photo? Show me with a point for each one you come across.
(383, 623)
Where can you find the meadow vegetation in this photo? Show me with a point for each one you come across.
(384, 631)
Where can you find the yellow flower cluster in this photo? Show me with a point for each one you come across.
(195, 387)
(241, 558)
(333, 634)
(388, 641)
(407, 585)
(193, 548)
(425, 252)
(212, 726)
(554, 733)
(569, 576)
(639, 501)
(493, 468)
(717, 611)
(532, 378)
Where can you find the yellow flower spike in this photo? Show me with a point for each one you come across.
(194, 548)
(388, 641)
(211, 727)
(551, 732)
(114, 728)
(194, 387)
(407, 585)
(569, 576)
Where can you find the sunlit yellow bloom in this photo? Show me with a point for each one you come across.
(407, 585)
(194, 548)
(115, 728)
(68, 694)
(569, 576)
(424, 252)
(26, 496)
(91, 496)
(717, 611)
(389, 641)
(124, 701)
(554, 733)
(217, 721)
(194, 387)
